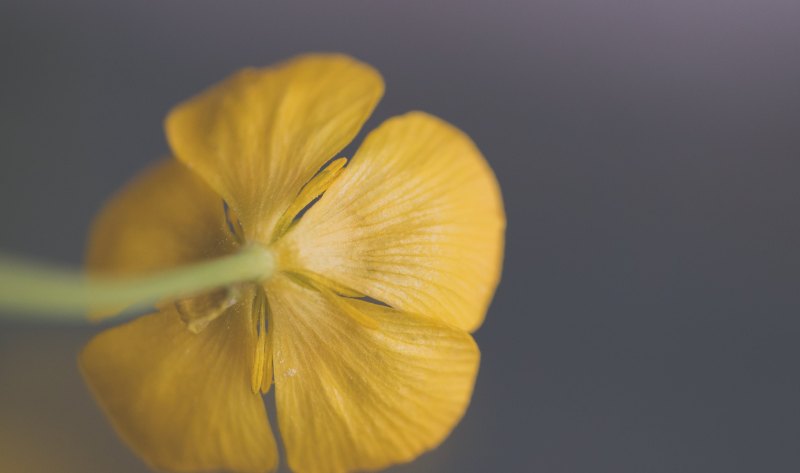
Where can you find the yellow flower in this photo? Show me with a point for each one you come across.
(364, 326)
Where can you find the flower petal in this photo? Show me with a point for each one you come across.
(165, 217)
(181, 400)
(354, 398)
(261, 134)
(416, 221)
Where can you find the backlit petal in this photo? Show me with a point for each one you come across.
(183, 401)
(415, 220)
(351, 397)
(260, 135)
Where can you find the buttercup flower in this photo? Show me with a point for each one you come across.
(364, 325)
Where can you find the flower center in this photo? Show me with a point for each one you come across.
(199, 310)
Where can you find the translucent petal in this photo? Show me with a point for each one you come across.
(416, 220)
(181, 400)
(354, 398)
(260, 135)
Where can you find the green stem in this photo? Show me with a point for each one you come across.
(61, 295)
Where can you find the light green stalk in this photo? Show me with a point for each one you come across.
(30, 291)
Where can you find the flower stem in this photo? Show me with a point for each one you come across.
(55, 294)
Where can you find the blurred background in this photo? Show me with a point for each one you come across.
(648, 151)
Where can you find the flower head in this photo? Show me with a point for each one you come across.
(364, 326)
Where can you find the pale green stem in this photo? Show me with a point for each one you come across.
(34, 291)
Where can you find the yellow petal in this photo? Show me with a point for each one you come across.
(354, 398)
(181, 400)
(165, 217)
(416, 221)
(260, 135)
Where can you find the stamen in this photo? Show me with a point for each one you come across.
(310, 192)
(261, 377)
(340, 300)
(355, 314)
(317, 281)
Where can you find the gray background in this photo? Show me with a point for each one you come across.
(648, 154)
